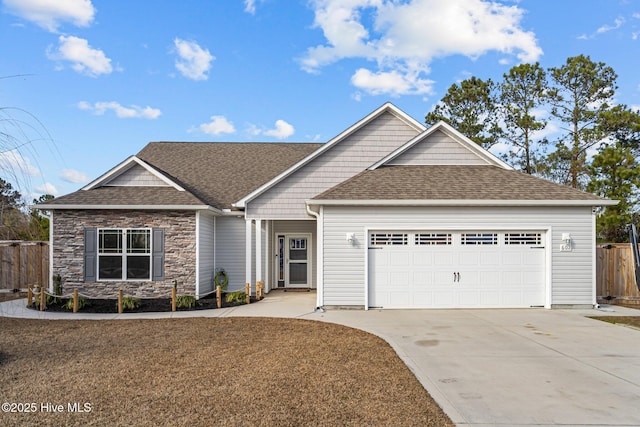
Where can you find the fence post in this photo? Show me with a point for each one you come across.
(43, 301)
(120, 301)
(247, 289)
(29, 297)
(219, 296)
(173, 299)
(75, 300)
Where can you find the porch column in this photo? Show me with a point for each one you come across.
(247, 250)
(258, 250)
(267, 260)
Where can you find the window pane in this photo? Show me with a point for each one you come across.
(138, 267)
(139, 241)
(110, 242)
(110, 267)
(298, 274)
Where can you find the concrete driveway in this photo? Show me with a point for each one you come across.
(530, 367)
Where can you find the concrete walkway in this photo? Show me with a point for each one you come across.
(530, 367)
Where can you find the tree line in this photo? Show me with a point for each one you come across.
(562, 124)
(17, 220)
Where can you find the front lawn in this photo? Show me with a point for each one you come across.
(633, 321)
(205, 371)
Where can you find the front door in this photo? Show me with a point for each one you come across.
(293, 255)
(298, 262)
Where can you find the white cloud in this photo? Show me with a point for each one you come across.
(250, 6)
(617, 23)
(50, 14)
(84, 58)
(406, 36)
(394, 83)
(218, 125)
(281, 131)
(74, 176)
(47, 188)
(14, 163)
(193, 61)
(606, 28)
(131, 112)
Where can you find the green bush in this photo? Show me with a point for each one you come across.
(237, 296)
(129, 303)
(185, 301)
(82, 302)
(50, 300)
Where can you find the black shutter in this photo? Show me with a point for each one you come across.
(90, 254)
(157, 255)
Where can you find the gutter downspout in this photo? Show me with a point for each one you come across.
(319, 256)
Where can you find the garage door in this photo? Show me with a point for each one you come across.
(461, 269)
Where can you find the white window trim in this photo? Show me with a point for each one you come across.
(124, 254)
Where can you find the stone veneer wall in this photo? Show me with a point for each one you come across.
(179, 244)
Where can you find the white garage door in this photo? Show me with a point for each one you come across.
(443, 269)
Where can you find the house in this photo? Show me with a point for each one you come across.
(387, 214)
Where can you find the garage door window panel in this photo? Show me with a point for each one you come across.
(389, 239)
(529, 239)
(479, 238)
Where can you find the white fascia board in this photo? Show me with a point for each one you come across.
(131, 207)
(462, 202)
(456, 136)
(125, 166)
(386, 107)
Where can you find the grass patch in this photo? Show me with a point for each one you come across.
(633, 321)
(208, 371)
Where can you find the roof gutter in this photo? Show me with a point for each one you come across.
(131, 207)
(461, 202)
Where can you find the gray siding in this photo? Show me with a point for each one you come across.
(438, 149)
(344, 265)
(230, 250)
(345, 159)
(206, 267)
(137, 176)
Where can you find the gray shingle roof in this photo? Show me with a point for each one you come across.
(128, 196)
(450, 182)
(212, 173)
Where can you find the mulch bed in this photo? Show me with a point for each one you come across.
(207, 371)
(147, 305)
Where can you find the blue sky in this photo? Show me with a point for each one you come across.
(103, 78)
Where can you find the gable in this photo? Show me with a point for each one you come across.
(344, 159)
(425, 150)
(136, 176)
(438, 149)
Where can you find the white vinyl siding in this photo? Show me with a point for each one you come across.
(571, 277)
(206, 268)
(136, 176)
(358, 151)
(438, 149)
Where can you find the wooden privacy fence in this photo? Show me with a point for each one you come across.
(615, 280)
(23, 264)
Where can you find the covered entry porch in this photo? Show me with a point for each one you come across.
(281, 253)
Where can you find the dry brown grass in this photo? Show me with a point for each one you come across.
(633, 321)
(199, 371)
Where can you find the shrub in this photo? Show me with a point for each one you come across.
(50, 300)
(129, 303)
(185, 301)
(82, 302)
(237, 296)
